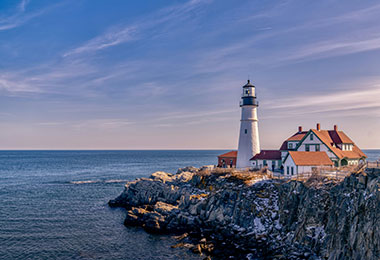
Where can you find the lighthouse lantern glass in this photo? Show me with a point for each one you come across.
(249, 92)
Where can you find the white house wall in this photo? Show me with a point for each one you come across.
(322, 146)
(289, 163)
(305, 169)
(260, 164)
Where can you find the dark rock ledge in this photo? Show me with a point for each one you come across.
(237, 215)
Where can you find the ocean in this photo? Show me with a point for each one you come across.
(54, 203)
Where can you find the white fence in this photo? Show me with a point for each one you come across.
(322, 173)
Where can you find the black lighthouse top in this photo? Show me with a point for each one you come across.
(248, 84)
(249, 95)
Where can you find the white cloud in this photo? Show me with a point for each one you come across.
(349, 102)
(46, 78)
(22, 5)
(362, 37)
(111, 38)
(335, 47)
(99, 124)
(124, 33)
(197, 115)
(12, 86)
(19, 17)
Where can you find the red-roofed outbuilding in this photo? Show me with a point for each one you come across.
(267, 158)
(227, 160)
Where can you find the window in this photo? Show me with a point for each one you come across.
(265, 163)
(246, 131)
(311, 137)
(292, 170)
(307, 147)
(290, 146)
(317, 147)
(287, 170)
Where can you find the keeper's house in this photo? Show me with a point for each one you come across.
(336, 144)
(332, 144)
(304, 151)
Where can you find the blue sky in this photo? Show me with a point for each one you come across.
(84, 74)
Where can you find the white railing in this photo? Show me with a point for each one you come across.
(322, 173)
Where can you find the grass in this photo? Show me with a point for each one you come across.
(240, 176)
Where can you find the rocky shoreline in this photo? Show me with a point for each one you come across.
(224, 214)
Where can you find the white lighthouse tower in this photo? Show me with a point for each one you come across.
(249, 144)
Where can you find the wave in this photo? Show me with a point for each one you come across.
(97, 181)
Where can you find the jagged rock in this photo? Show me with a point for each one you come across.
(187, 169)
(268, 218)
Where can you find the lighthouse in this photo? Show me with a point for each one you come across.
(249, 144)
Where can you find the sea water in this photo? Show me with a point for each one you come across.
(54, 203)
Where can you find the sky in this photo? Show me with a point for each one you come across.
(100, 74)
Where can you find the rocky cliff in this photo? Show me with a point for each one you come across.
(226, 214)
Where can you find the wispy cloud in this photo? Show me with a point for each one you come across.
(336, 47)
(44, 78)
(14, 86)
(82, 72)
(183, 115)
(180, 119)
(19, 16)
(111, 38)
(22, 5)
(99, 124)
(330, 42)
(349, 102)
(124, 33)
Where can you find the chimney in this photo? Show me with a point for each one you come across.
(299, 129)
(318, 126)
(335, 128)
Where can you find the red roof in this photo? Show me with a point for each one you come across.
(268, 155)
(310, 158)
(296, 137)
(331, 138)
(229, 154)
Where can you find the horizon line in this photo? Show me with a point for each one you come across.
(144, 149)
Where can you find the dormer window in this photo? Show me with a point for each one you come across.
(311, 137)
(290, 146)
(347, 147)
